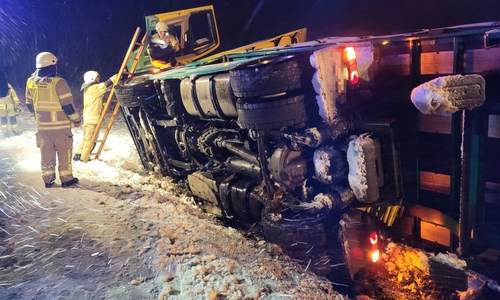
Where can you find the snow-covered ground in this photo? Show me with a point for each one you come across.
(122, 233)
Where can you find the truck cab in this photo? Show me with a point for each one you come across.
(197, 32)
(195, 29)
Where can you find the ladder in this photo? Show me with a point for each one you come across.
(88, 153)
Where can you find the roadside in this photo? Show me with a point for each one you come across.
(122, 234)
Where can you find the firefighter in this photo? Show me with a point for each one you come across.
(9, 103)
(93, 94)
(163, 46)
(163, 33)
(50, 98)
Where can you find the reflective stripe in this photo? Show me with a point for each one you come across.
(43, 127)
(62, 122)
(64, 96)
(74, 116)
(65, 172)
(48, 172)
(48, 108)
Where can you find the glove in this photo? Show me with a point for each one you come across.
(77, 123)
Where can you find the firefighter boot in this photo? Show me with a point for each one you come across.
(70, 182)
(50, 183)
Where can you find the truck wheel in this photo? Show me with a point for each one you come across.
(271, 114)
(136, 91)
(268, 77)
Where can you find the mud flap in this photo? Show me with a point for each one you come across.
(356, 228)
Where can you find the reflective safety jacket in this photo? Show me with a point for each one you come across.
(169, 40)
(7, 102)
(93, 94)
(52, 102)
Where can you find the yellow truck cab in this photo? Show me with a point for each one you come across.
(197, 32)
(195, 29)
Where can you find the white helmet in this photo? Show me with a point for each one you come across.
(90, 76)
(45, 59)
(161, 26)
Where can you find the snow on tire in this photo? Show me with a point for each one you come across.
(268, 77)
(136, 91)
(271, 114)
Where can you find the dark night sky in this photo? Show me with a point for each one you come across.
(95, 34)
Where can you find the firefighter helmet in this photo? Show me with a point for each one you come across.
(161, 26)
(45, 59)
(90, 76)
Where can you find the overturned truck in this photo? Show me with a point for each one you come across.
(320, 141)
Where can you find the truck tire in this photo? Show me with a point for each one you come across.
(271, 114)
(136, 91)
(267, 77)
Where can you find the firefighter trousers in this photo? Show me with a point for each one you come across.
(86, 143)
(56, 147)
(7, 115)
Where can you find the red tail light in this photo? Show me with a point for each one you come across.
(373, 238)
(374, 253)
(352, 67)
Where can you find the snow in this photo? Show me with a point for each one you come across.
(322, 163)
(328, 82)
(357, 167)
(448, 94)
(450, 259)
(124, 233)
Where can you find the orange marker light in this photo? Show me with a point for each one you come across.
(375, 255)
(350, 54)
